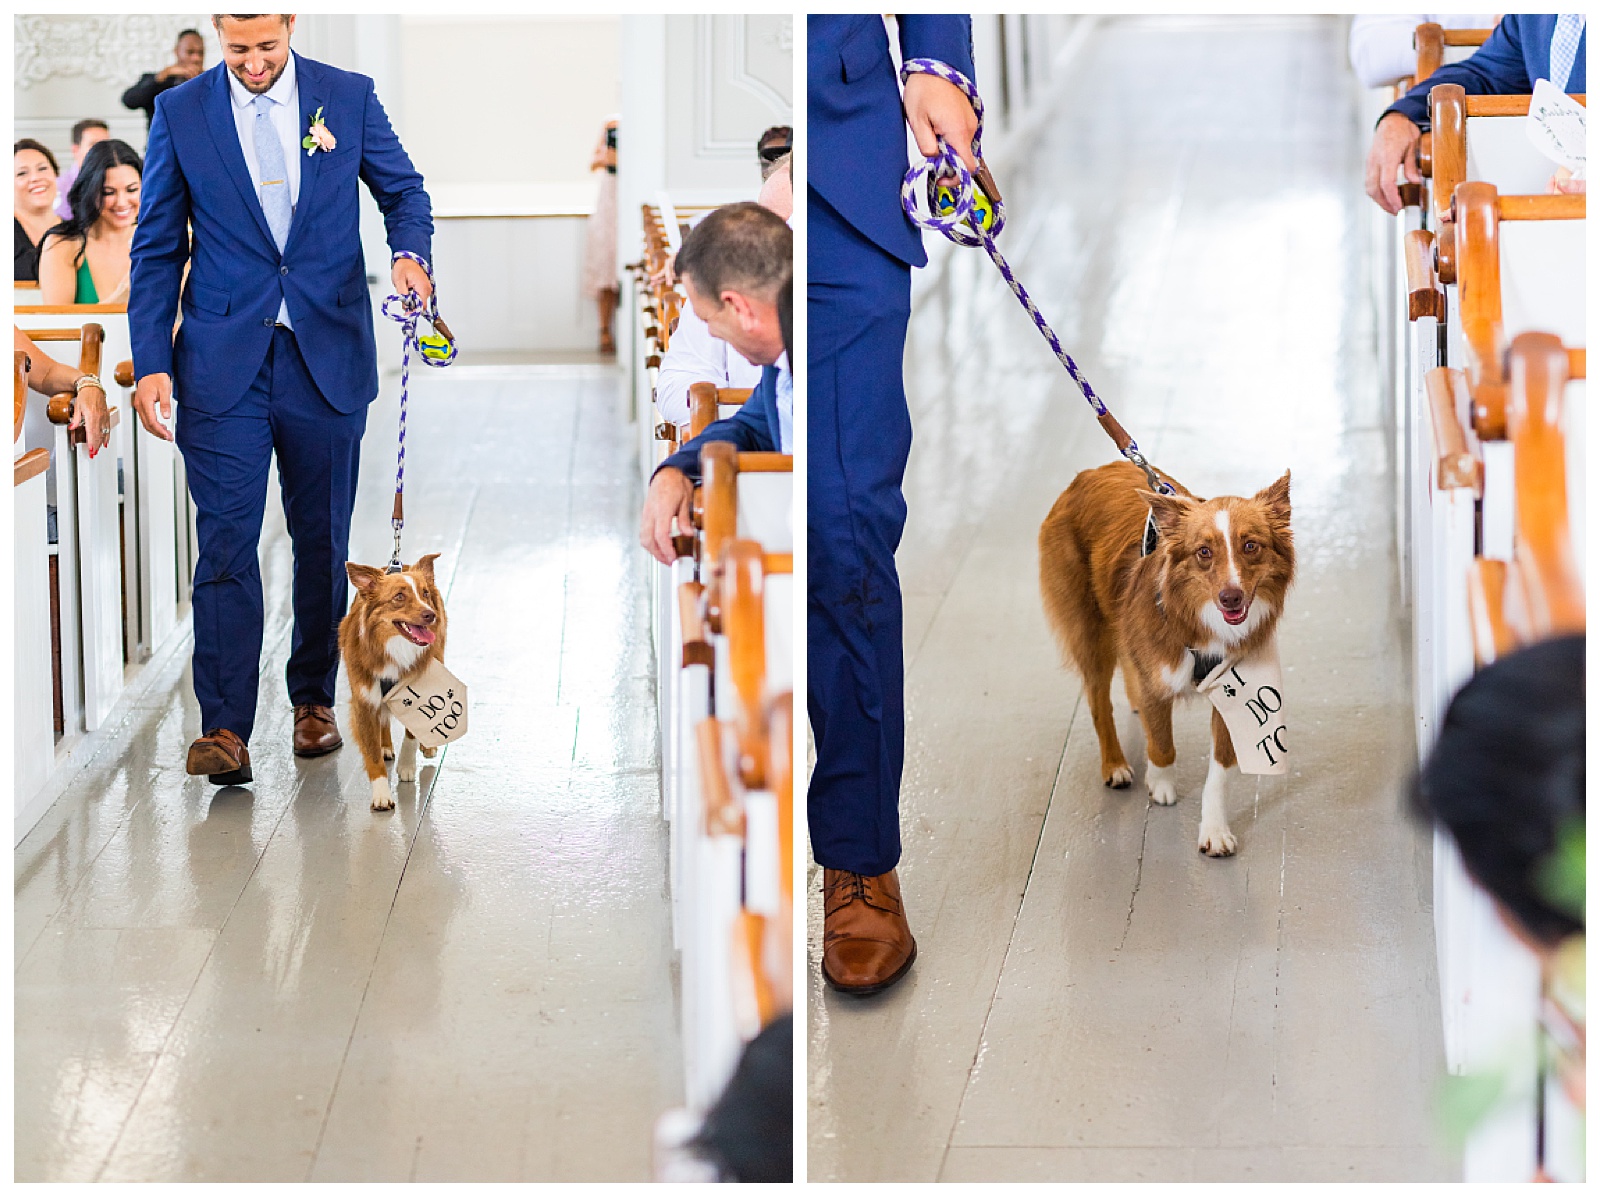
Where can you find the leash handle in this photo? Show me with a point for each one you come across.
(964, 225)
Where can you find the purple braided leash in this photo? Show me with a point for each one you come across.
(441, 352)
(963, 226)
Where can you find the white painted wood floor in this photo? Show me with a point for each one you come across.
(1093, 999)
(277, 984)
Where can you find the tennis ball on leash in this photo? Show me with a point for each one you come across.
(944, 204)
(434, 347)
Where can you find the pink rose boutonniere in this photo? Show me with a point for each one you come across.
(318, 137)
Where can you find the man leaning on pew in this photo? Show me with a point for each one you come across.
(1523, 48)
(735, 266)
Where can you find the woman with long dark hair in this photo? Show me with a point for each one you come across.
(84, 260)
(33, 209)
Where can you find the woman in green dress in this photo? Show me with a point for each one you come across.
(84, 260)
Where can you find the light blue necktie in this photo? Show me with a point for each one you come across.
(1564, 47)
(274, 174)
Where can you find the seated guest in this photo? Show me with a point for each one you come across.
(1506, 780)
(85, 260)
(189, 59)
(1522, 49)
(694, 355)
(737, 268)
(32, 211)
(49, 377)
(84, 135)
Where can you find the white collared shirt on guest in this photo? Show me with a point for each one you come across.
(285, 94)
(785, 405)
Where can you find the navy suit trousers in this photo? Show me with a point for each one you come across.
(859, 431)
(226, 456)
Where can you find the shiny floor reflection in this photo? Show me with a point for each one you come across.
(275, 983)
(1092, 999)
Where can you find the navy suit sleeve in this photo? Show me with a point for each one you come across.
(748, 429)
(948, 39)
(160, 250)
(395, 184)
(1496, 68)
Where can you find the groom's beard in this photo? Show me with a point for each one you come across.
(257, 89)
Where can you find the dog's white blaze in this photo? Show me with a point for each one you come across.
(416, 592)
(1227, 541)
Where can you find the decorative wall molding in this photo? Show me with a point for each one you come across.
(749, 54)
(108, 49)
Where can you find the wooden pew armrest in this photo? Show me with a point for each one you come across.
(35, 462)
(1425, 297)
(1457, 465)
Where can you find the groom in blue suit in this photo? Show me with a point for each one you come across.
(260, 157)
(860, 255)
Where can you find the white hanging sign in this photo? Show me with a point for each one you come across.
(433, 706)
(1556, 126)
(1249, 695)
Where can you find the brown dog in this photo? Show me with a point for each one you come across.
(1213, 588)
(395, 625)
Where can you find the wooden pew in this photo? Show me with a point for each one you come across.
(89, 555)
(1545, 238)
(1434, 44)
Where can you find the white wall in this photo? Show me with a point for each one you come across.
(66, 68)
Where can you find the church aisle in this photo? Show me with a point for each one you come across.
(276, 983)
(1093, 1000)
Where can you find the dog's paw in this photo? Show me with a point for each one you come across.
(1217, 841)
(382, 798)
(1162, 783)
(428, 752)
(1119, 776)
(388, 754)
(407, 771)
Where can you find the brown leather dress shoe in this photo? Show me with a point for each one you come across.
(866, 943)
(221, 756)
(314, 731)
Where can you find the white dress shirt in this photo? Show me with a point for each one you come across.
(696, 355)
(785, 406)
(285, 95)
(1381, 50)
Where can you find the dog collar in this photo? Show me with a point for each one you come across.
(1204, 664)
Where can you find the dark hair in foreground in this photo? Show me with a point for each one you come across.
(29, 144)
(749, 1133)
(739, 247)
(1506, 777)
(187, 33)
(216, 19)
(85, 197)
(87, 123)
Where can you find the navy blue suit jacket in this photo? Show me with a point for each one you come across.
(856, 124)
(753, 427)
(1515, 56)
(195, 174)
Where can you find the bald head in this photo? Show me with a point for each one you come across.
(777, 194)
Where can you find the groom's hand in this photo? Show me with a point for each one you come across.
(936, 108)
(408, 276)
(153, 390)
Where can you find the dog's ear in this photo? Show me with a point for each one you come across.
(1169, 510)
(1275, 497)
(364, 578)
(425, 565)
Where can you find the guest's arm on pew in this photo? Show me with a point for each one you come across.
(1563, 182)
(1495, 68)
(1394, 144)
(671, 491)
(159, 254)
(49, 377)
